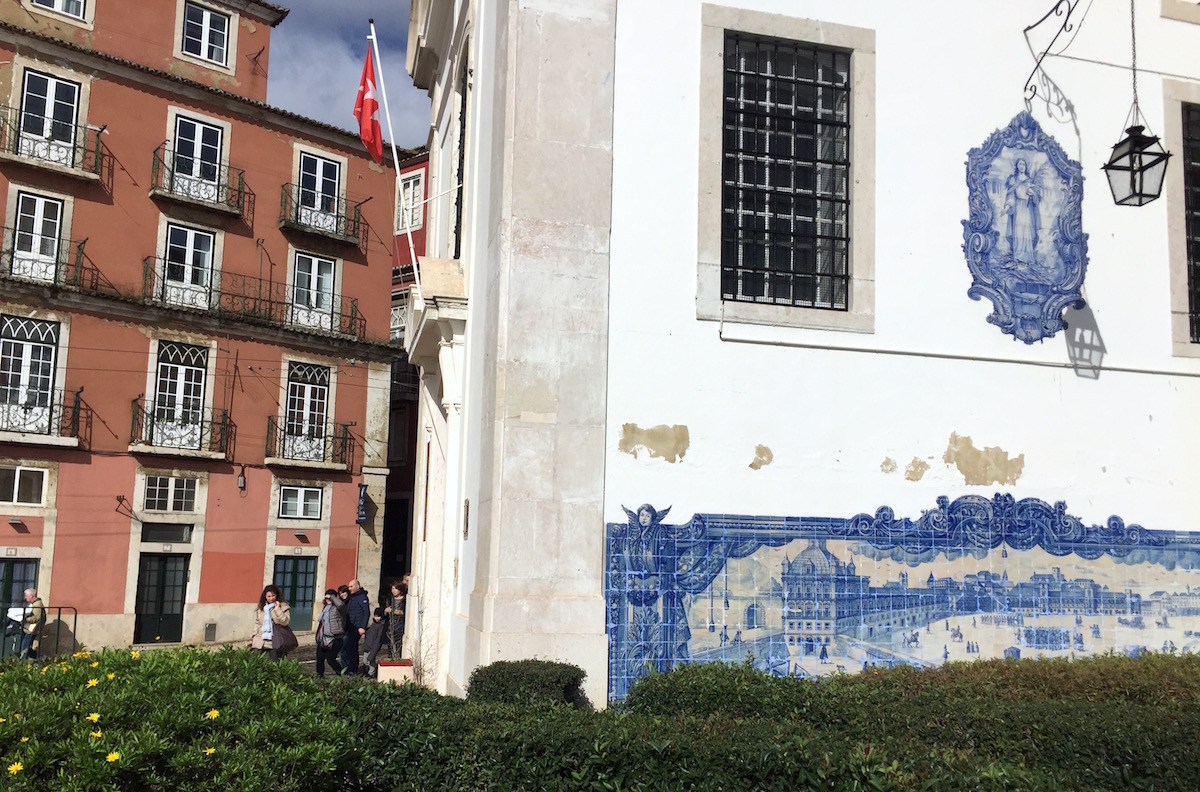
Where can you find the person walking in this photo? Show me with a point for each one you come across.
(32, 624)
(358, 618)
(331, 632)
(272, 610)
(394, 613)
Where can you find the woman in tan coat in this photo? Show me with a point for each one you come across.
(272, 610)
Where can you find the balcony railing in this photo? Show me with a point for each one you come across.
(247, 297)
(35, 257)
(308, 210)
(328, 443)
(173, 425)
(192, 180)
(52, 412)
(46, 140)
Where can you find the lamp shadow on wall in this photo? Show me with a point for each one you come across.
(1085, 344)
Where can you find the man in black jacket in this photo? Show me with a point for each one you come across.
(358, 616)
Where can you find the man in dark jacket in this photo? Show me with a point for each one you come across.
(358, 616)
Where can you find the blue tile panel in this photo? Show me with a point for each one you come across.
(973, 577)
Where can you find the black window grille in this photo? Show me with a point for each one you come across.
(1191, 203)
(785, 202)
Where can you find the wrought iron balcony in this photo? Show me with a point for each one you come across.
(305, 209)
(53, 412)
(35, 257)
(323, 443)
(189, 179)
(175, 425)
(247, 297)
(42, 140)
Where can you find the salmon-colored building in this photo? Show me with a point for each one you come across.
(195, 365)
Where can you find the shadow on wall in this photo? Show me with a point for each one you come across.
(1085, 344)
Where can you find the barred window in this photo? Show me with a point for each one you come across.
(168, 493)
(1191, 199)
(785, 201)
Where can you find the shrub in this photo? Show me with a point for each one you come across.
(528, 682)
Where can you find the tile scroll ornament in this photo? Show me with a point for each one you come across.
(1024, 239)
(819, 613)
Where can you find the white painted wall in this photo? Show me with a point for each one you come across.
(948, 75)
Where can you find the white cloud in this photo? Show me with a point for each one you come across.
(317, 56)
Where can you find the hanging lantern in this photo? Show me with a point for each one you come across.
(1138, 163)
(1136, 168)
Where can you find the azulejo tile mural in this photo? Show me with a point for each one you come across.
(970, 578)
(1024, 237)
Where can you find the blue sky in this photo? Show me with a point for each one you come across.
(317, 55)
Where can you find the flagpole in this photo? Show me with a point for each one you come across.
(412, 251)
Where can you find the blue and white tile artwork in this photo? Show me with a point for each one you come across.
(968, 579)
(1024, 239)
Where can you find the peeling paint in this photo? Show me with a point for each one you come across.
(888, 465)
(662, 441)
(916, 469)
(992, 465)
(762, 457)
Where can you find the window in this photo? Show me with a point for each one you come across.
(205, 33)
(37, 236)
(320, 180)
(187, 266)
(170, 493)
(411, 211)
(69, 7)
(166, 532)
(178, 408)
(197, 159)
(27, 358)
(307, 399)
(296, 577)
(1181, 188)
(49, 110)
(312, 291)
(302, 503)
(786, 227)
(22, 485)
(1191, 197)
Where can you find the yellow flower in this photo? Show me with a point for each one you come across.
(112, 757)
(209, 751)
(212, 714)
(135, 654)
(15, 768)
(95, 664)
(158, 637)
(82, 654)
(1, 720)
(95, 716)
(93, 682)
(97, 733)
(112, 676)
(16, 716)
(24, 739)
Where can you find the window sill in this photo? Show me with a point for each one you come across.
(306, 464)
(29, 438)
(710, 307)
(190, 453)
(47, 165)
(199, 203)
(188, 57)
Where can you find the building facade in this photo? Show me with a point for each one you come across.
(194, 393)
(803, 330)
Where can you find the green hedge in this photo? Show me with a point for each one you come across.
(192, 720)
(528, 682)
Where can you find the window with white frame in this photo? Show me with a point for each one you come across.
(205, 33)
(300, 503)
(73, 8)
(196, 168)
(410, 213)
(306, 409)
(36, 236)
(778, 198)
(187, 266)
(28, 349)
(178, 410)
(312, 291)
(21, 485)
(49, 114)
(319, 190)
(170, 493)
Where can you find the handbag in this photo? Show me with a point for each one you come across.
(324, 640)
(283, 640)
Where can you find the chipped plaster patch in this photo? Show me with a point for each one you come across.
(662, 441)
(992, 465)
(888, 465)
(762, 457)
(916, 469)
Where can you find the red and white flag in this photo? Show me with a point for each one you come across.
(366, 111)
